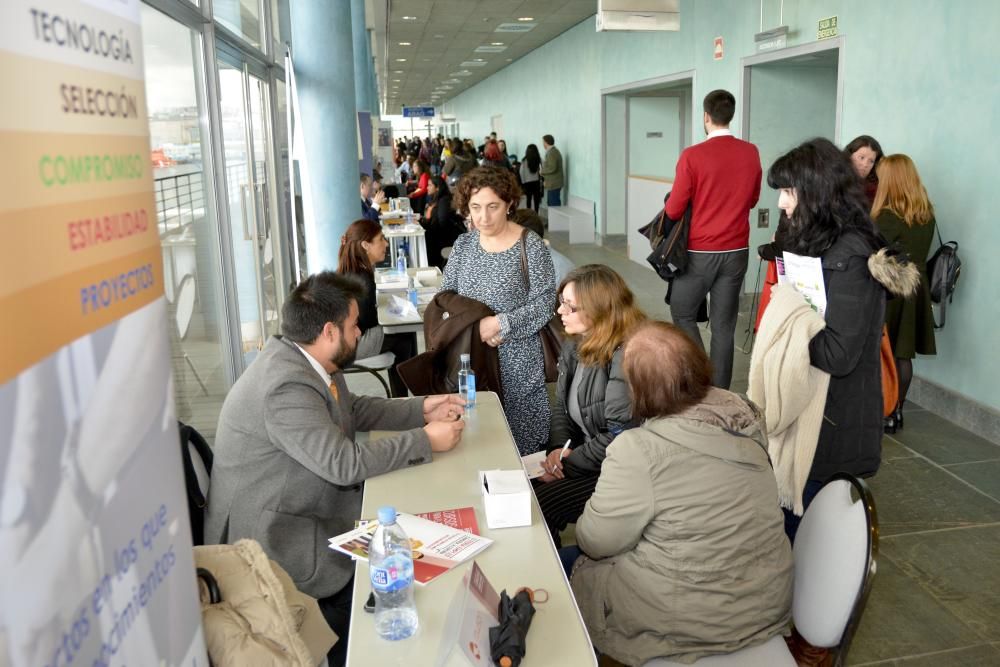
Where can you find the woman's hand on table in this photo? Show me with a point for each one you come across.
(489, 331)
(443, 408)
(444, 435)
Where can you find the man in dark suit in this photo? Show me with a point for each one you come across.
(370, 201)
(287, 471)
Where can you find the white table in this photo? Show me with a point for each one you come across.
(393, 324)
(518, 557)
(389, 280)
(414, 234)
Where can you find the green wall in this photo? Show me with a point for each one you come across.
(614, 163)
(919, 75)
(653, 156)
(788, 105)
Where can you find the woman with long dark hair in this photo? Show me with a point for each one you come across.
(530, 180)
(442, 225)
(418, 197)
(825, 215)
(362, 247)
(904, 214)
(865, 153)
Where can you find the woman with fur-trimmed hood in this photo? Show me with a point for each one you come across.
(825, 215)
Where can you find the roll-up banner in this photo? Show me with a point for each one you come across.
(96, 566)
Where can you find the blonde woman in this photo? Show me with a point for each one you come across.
(904, 214)
(592, 403)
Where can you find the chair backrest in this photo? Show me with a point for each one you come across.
(835, 550)
(196, 457)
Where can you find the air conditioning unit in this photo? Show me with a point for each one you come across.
(638, 15)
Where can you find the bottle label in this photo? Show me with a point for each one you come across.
(394, 574)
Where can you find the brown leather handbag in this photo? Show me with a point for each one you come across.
(552, 333)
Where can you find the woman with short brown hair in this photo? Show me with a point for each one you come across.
(592, 403)
(684, 552)
(488, 264)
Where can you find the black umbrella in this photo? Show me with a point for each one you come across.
(507, 640)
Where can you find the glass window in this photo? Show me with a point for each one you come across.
(280, 29)
(185, 203)
(242, 17)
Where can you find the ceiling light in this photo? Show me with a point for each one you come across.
(397, 71)
(414, 18)
(497, 43)
(520, 18)
(438, 36)
(400, 60)
(405, 44)
(396, 80)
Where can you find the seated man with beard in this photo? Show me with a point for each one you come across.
(287, 470)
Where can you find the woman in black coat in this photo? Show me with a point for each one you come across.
(905, 216)
(825, 215)
(442, 224)
(592, 403)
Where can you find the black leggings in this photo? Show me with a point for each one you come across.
(404, 346)
(533, 192)
(904, 368)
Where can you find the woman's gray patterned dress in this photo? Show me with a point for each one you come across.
(496, 279)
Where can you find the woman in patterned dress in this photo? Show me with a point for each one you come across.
(485, 265)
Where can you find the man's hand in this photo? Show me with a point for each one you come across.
(443, 408)
(553, 464)
(444, 435)
(378, 197)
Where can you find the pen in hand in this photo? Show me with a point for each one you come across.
(557, 465)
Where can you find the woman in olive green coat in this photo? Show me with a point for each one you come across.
(905, 216)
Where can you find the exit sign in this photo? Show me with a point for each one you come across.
(827, 28)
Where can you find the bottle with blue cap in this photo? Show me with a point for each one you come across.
(390, 563)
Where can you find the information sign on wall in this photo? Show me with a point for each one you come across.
(827, 28)
(95, 546)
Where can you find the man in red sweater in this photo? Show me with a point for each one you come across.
(720, 180)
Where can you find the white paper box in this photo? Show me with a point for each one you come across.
(506, 497)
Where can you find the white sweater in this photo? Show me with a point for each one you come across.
(790, 391)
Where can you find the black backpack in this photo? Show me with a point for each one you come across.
(943, 269)
(196, 456)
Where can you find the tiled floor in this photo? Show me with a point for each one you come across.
(936, 597)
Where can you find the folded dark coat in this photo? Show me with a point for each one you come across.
(451, 328)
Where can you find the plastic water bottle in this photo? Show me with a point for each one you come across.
(409, 217)
(467, 382)
(390, 561)
(411, 292)
(401, 263)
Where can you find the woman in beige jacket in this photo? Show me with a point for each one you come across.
(685, 552)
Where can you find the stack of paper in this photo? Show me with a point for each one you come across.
(440, 540)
